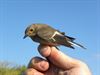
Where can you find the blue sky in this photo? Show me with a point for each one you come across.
(78, 18)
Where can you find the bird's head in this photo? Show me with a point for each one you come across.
(30, 31)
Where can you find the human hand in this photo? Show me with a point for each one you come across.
(57, 63)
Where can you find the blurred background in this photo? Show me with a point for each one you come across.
(77, 18)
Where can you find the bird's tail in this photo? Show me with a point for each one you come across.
(76, 44)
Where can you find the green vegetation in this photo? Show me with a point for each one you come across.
(5, 69)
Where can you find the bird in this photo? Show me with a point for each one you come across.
(46, 35)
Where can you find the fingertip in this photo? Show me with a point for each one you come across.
(44, 66)
(44, 50)
(38, 64)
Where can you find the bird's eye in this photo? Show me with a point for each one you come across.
(31, 29)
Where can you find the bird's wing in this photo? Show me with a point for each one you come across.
(46, 33)
(54, 37)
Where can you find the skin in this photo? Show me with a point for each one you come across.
(57, 63)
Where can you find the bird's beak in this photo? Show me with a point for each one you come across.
(25, 36)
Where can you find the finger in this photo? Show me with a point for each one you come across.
(32, 71)
(38, 64)
(57, 57)
(44, 50)
(61, 60)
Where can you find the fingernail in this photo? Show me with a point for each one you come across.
(44, 48)
(44, 65)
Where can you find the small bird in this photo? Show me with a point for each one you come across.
(46, 35)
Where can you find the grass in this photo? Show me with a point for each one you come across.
(5, 69)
